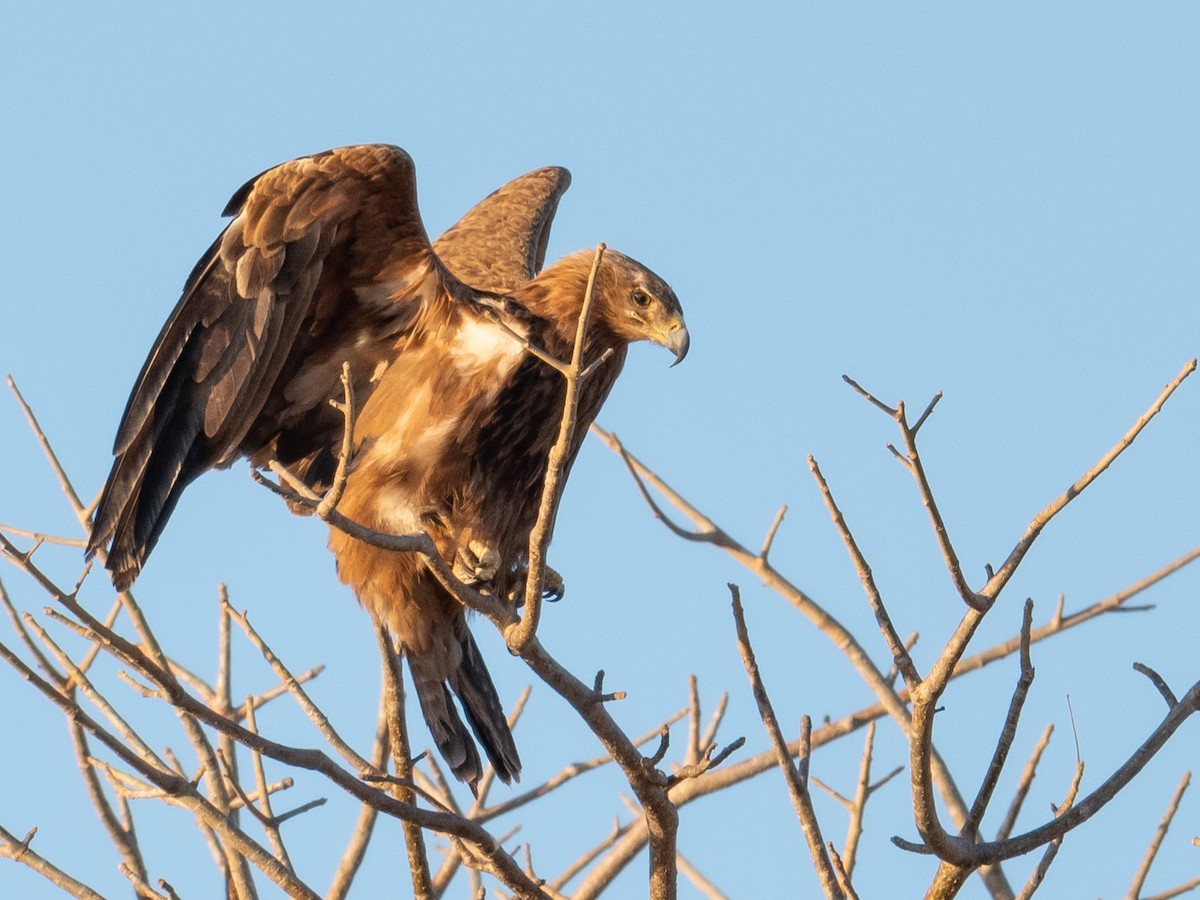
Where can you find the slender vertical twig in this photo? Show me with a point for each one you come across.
(796, 783)
(414, 836)
(1139, 877)
(518, 636)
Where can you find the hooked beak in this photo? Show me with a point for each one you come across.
(677, 340)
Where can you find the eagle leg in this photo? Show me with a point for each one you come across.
(553, 587)
(476, 562)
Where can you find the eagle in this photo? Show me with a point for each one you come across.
(326, 262)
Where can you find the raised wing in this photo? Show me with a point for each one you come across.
(500, 244)
(325, 261)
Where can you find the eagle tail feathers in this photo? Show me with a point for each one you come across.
(450, 735)
(473, 686)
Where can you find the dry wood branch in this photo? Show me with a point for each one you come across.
(1008, 732)
(414, 838)
(587, 858)
(191, 710)
(693, 744)
(565, 775)
(1023, 785)
(140, 886)
(531, 348)
(264, 812)
(63, 481)
(176, 790)
(132, 739)
(842, 874)
(1158, 682)
(769, 540)
(1139, 877)
(20, 851)
(296, 492)
(1039, 874)
(34, 650)
(857, 807)
(452, 860)
(912, 460)
(714, 723)
(364, 826)
(518, 636)
(871, 398)
(963, 853)
(120, 829)
(846, 642)
(797, 786)
(349, 411)
(41, 538)
(664, 741)
(708, 760)
(898, 650)
(1177, 891)
(996, 583)
(648, 784)
(314, 713)
(917, 467)
(709, 532)
(634, 839)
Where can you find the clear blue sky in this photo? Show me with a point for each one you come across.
(1000, 203)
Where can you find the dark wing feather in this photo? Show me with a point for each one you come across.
(325, 261)
(500, 243)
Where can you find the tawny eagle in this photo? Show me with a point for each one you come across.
(326, 261)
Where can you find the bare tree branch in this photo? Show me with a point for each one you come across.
(20, 851)
(1139, 877)
(797, 786)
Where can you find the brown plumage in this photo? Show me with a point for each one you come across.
(326, 260)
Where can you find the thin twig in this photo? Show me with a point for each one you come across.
(898, 650)
(414, 837)
(364, 827)
(1139, 877)
(1002, 575)
(349, 411)
(1023, 785)
(1159, 683)
(20, 851)
(518, 636)
(1008, 732)
(797, 788)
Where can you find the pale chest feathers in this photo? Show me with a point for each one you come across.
(410, 437)
(481, 346)
(398, 511)
(419, 423)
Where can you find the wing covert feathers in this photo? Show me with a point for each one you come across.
(278, 290)
(500, 243)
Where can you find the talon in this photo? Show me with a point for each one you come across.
(476, 563)
(553, 586)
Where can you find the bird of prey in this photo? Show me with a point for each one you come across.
(326, 261)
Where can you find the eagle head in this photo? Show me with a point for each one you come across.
(637, 305)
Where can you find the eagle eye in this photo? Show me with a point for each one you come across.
(641, 298)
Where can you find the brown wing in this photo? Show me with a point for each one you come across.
(500, 244)
(325, 260)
